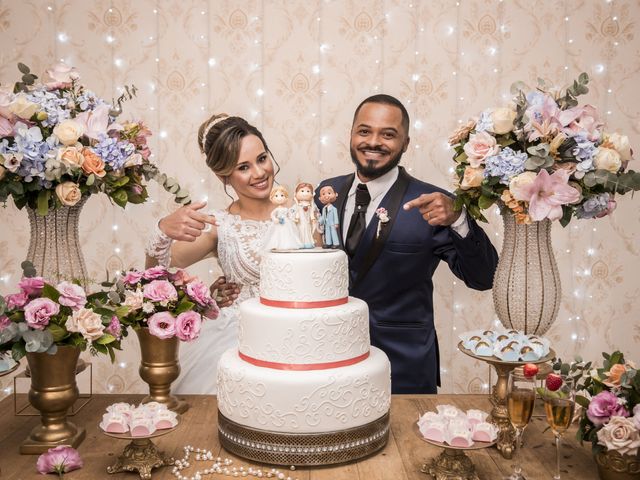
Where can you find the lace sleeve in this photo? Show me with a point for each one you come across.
(159, 247)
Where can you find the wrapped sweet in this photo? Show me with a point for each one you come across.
(485, 432)
(434, 431)
(459, 437)
(142, 427)
(509, 345)
(165, 419)
(122, 408)
(153, 407)
(476, 416)
(453, 426)
(114, 422)
(449, 412)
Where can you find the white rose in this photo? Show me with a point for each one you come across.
(502, 119)
(68, 132)
(473, 177)
(134, 300)
(607, 159)
(621, 145)
(620, 435)
(520, 182)
(22, 107)
(86, 322)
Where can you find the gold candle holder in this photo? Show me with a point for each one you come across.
(506, 443)
(53, 391)
(159, 368)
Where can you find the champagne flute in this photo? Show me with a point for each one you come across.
(521, 396)
(559, 404)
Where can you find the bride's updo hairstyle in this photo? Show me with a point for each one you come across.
(220, 139)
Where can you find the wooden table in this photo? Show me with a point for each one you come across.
(401, 459)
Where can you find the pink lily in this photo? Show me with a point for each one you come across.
(546, 195)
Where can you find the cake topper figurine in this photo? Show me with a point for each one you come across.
(306, 214)
(282, 234)
(329, 221)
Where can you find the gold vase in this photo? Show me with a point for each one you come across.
(159, 367)
(53, 391)
(613, 466)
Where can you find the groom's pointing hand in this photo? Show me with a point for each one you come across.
(436, 208)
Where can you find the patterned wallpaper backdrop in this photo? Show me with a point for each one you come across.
(297, 69)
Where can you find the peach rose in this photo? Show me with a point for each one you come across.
(22, 107)
(68, 193)
(462, 132)
(87, 323)
(480, 146)
(502, 119)
(620, 144)
(473, 177)
(68, 132)
(614, 374)
(607, 159)
(92, 163)
(519, 183)
(620, 435)
(71, 156)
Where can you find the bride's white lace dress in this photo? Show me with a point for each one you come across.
(239, 244)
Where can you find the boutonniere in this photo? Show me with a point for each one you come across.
(383, 218)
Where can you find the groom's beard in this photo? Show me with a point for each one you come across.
(369, 170)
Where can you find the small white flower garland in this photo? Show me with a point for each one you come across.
(221, 466)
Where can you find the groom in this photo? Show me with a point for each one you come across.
(391, 264)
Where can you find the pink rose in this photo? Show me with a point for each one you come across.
(181, 277)
(188, 326)
(61, 459)
(31, 286)
(162, 325)
(155, 272)
(16, 300)
(71, 295)
(132, 277)
(4, 322)
(86, 322)
(480, 146)
(620, 435)
(115, 327)
(39, 311)
(160, 291)
(604, 406)
(199, 292)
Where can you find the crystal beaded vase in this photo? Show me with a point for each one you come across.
(526, 286)
(54, 245)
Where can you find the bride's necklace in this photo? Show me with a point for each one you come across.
(222, 467)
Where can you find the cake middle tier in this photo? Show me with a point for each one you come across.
(299, 402)
(297, 338)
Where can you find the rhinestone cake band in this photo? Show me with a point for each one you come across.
(303, 448)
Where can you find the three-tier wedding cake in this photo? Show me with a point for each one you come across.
(305, 386)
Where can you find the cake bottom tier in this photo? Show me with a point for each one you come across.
(296, 402)
(303, 449)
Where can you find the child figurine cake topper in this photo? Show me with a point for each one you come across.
(282, 234)
(306, 214)
(329, 221)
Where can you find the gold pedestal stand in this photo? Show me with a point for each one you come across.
(452, 463)
(499, 416)
(141, 455)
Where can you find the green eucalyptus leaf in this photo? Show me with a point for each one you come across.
(23, 68)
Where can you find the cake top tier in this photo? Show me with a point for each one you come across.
(304, 278)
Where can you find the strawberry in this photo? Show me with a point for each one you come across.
(530, 370)
(553, 382)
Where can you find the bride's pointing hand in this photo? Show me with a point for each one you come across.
(187, 223)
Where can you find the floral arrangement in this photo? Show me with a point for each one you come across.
(59, 143)
(59, 460)
(167, 301)
(544, 156)
(41, 317)
(610, 397)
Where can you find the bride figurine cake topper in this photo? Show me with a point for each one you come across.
(282, 234)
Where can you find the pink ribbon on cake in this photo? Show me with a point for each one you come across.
(303, 366)
(318, 304)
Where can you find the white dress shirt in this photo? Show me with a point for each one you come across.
(378, 188)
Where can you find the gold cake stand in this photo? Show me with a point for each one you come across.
(452, 463)
(499, 415)
(141, 454)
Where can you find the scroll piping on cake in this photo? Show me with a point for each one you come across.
(303, 366)
(318, 304)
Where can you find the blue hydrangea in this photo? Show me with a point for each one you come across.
(113, 152)
(584, 151)
(29, 142)
(485, 123)
(52, 104)
(594, 206)
(88, 100)
(506, 165)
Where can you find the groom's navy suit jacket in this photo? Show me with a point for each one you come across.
(393, 274)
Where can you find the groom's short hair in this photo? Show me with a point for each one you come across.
(386, 100)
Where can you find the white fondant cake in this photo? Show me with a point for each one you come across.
(304, 364)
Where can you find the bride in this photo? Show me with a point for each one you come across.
(238, 155)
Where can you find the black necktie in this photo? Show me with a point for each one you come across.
(358, 222)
